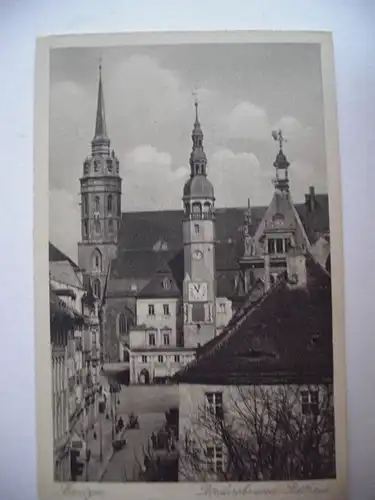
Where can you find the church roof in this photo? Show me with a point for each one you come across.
(285, 338)
(149, 241)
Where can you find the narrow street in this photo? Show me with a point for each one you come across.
(149, 403)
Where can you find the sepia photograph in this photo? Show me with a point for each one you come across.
(194, 260)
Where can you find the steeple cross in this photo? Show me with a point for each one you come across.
(278, 137)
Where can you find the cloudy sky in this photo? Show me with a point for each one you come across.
(244, 91)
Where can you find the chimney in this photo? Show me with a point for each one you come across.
(310, 199)
(296, 269)
(267, 272)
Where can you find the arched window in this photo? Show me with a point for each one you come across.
(122, 327)
(110, 226)
(97, 203)
(110, 203)
(97, 226)
(207, 206)
(85, 204)
(97, 260)
(197, 208)
(97, 289)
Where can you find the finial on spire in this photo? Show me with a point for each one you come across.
(278, 137)
(196, 102)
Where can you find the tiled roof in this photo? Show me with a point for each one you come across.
(285, 338)
(144, 235)
(65, 272)
(55, 255)
(161, 285)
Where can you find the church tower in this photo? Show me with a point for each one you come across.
(199, 289)
(100, 204)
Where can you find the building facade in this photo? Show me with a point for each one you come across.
(258, 403)
(75, 351)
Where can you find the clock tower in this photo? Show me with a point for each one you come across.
(199, 289)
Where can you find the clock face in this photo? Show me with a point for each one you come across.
(197, 255)
(197, 292)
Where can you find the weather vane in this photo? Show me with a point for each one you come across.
(195, 95)
(278, 136)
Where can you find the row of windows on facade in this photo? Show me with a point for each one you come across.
(152, 339)
(166, 312)
(109, 164)
(198, 208)
(309, 402)
(161, 358)
(98, 227)
(278, 245)
(97, 205)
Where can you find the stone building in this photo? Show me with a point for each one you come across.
(76, 363)
(61, 333)
(212, 257)
(257, 404)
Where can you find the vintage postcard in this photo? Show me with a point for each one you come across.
(188, 267)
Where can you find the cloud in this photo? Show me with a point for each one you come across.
(238, 176)
(64, 221)
(292, 128)
(247, 121)
(151, 181)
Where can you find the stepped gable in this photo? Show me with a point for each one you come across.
(285, 338)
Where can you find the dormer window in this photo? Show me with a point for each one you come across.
(166, 284)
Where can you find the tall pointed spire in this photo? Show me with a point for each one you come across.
(100, 143)
(198, 159)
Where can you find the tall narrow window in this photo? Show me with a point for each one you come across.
(160, 358)
(122, 324)
(215, 458)
(279, 245)
(97, 203)
(97, 226)
(214, 404)
(110, 226)
(97, 288)
(85, 229)
(166, 339)
(97, 260)
(166, 310)
(196, 228)
(310, 402)
(85, 204)
(151, 339)
(151, 310)
(197, 208)
(110, 203)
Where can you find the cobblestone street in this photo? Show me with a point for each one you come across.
(148, 402)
